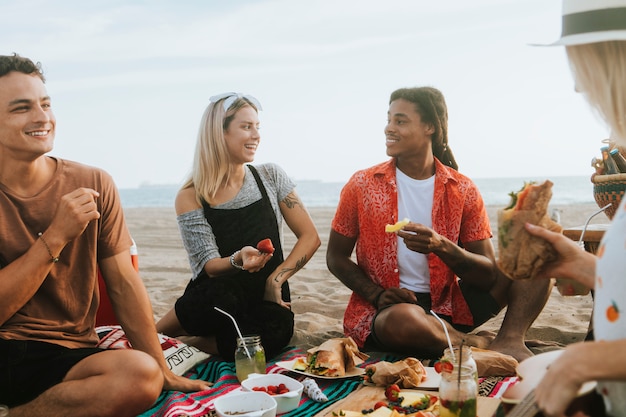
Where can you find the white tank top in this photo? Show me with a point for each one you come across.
(415, 202)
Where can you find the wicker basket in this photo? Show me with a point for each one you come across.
(609, 189)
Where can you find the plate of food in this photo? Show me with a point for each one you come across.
(335, 358)
(299, 366)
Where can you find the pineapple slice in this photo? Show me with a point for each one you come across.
(392, 228)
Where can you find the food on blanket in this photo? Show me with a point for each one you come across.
(265, 246)
(313, 391)
(273, 389)
(286, 391)
(392, 228)
(300, 364)
(521, 255)
(334, 357)
(407, 373)
(492, 363)
(392, 392)
(407, 402)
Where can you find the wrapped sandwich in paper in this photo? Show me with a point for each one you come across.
(334, 357)
(492, 363)
(407, 373)
(521, 255)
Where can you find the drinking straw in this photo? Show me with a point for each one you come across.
(582, 234)
(236, 328)
(458, 383)
(445, 329)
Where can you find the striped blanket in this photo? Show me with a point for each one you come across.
(222, 374)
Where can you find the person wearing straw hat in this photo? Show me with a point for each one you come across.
(594, 34)
(59, 222)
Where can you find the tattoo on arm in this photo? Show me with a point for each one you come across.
(299, 264)
(291, 201)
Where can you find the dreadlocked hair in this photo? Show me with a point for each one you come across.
(431, 106)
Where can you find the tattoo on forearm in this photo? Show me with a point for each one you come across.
(299, 264)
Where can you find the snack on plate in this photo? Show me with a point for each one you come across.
(407, 373)
(334, 357)
(521, 255)
(392, 228)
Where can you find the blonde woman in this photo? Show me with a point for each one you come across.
(594, 33)
(225, 208)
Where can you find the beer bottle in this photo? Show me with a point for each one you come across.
(610, 167)
(619, 159)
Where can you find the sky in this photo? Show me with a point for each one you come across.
(129, 81)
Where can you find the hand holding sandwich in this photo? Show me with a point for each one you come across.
(572, 262)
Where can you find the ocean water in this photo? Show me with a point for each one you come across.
(495, 191)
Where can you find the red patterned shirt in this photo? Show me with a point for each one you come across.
(369, 201)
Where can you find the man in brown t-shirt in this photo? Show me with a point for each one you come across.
(59, 222)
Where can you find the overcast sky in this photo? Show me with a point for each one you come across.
(130, 80)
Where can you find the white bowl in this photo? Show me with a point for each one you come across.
(287, 401)
(246, 404)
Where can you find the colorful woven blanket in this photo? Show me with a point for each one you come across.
(222, 374)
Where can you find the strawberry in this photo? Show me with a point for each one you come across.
(380, 404)
(392, 392)
(444, 366)
(265, 246)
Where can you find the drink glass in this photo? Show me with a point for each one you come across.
(458, 392)
(252, 364)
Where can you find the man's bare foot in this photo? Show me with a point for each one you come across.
(518, 351)
(480, 340)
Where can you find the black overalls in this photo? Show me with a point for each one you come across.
(240, 294)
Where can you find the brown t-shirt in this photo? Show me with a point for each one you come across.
(63, 309)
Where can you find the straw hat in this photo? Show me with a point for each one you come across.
(589, 21)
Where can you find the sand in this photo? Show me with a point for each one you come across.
(318, 298)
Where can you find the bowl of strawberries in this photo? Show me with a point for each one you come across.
(285, 390)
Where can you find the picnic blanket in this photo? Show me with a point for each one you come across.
(222, 374)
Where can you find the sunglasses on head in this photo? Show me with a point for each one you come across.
(230, 98)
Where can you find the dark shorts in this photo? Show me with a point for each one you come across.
(28, 368)
(481, 304)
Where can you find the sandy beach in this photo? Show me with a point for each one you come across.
(318, 298)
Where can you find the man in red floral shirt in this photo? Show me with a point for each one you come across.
(443, 260)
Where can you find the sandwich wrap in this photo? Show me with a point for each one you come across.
(521, 255)
(334, 357)
(407, 373)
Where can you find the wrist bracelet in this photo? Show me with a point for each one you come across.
(235, 264)
(53, 259)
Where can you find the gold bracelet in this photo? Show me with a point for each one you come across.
(53, 259)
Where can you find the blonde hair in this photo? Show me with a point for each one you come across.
(600, 73)
(211, 160)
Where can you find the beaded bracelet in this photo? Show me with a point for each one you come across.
(235, 264)
(53, 259)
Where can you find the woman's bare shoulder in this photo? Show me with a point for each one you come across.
(186, 201)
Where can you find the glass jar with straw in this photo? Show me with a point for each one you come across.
(249, 357)
(249, 354)
(458, 393)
